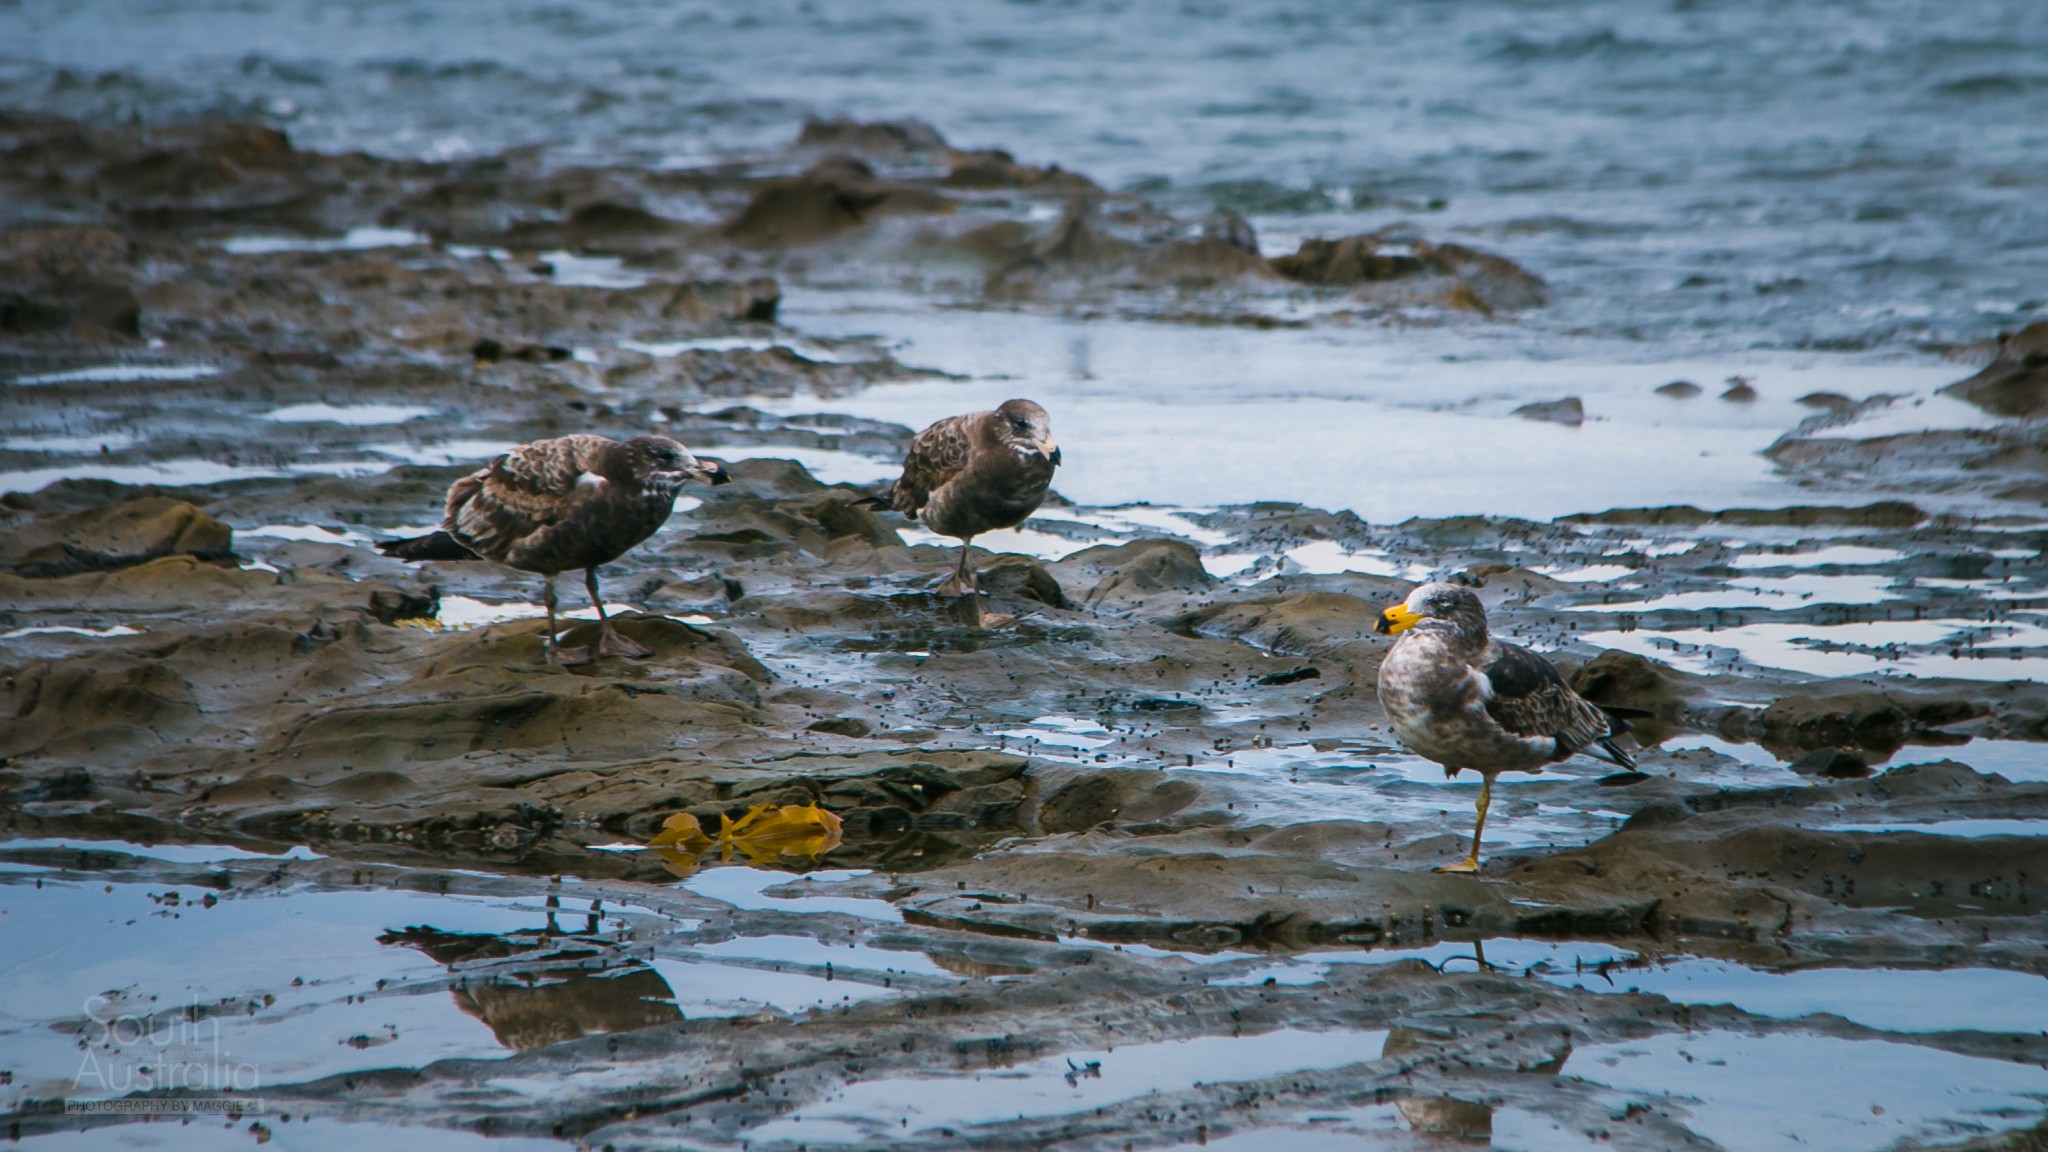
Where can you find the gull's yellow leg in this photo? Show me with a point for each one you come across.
(1471, 862)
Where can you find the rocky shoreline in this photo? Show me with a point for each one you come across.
(1173, 760)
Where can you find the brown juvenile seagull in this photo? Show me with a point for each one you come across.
(970, 474)
(554, 505)
(1464, 700)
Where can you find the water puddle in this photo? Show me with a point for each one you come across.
(830, 466)
(354, 240)
(1798, 1092)
(179, 473)
(1965, 829)
(2020, 761)
(747, 890)
(1587, 574)
(69, 630)
(593, 271)
(461, 612)
(1950, 648)
(1886, 999)
(123, 374)
(69, 445)
(1327, 557)
(1072, 1083)
(354, 415)
(1244, 402)
(1023, 541)
(1067, 732)
(1834, 555)
(303, 533)
(1769, 593)
(665, 349)
(443, 453)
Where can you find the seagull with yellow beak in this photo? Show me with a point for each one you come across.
(1465, 700)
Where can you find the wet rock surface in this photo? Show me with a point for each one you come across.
(1161, 809)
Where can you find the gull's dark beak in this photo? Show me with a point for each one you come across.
(1049, 450)
(1396, 619)
(711, 472)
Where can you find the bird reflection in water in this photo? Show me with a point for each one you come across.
(1448, 1117)
(546, 986)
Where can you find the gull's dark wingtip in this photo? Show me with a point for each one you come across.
(438, 545)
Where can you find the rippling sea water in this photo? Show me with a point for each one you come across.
(1715, 177)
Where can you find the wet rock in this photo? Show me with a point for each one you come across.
(113, 537)
(1740, 391)
(71, 280)
(1832, 763)
(1679, 389)
(1025, 579)
(1882, 514)
(601, 226)
(1626, 680)
(1566, 411)
(2016, 381)
(1232, 229)
(1500, 283)
(820, 523)
(1853, 718)
(1346, 260)
(1123, 573)
(1829, 401)
(833, 196)
(885, 138)
(998, 169)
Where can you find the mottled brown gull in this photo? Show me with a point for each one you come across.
(1465, 700)
(975, 473)
(556, 505)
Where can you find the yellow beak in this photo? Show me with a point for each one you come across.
(1397, 619)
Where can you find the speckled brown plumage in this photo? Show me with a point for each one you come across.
(556, 505)
(976, 473)
(1467, 701)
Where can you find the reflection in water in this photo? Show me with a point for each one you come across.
(764, 837)
(549, 986)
